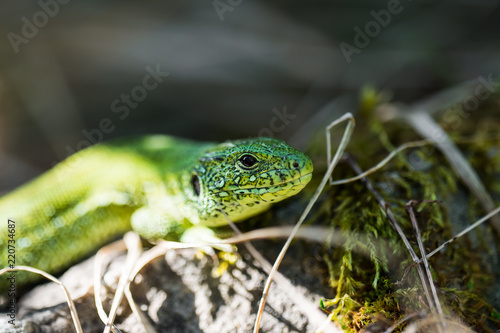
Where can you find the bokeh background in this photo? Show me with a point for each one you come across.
(230, 63)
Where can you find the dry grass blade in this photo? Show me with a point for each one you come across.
(392, 220)
(101, 257)
(71, 305)
(308, 308)
(410, 208)
(423, 123)
(313, 233)
(384, 161)
(138, 313)
(465, 231)
(134, 248)
(160, 249)
(340, 150)
(446, 97)
(130, 242)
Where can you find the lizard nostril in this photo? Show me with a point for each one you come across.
(295, 165)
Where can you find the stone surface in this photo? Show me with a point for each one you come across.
(179, 293)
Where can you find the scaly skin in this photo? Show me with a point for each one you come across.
(159, 186)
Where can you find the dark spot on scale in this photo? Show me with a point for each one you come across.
(257, 202)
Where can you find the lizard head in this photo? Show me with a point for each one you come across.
(243, 178)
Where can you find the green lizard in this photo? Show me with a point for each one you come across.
(160, 186)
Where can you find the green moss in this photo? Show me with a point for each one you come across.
(367, 273)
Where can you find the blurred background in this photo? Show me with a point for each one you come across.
(74, 72)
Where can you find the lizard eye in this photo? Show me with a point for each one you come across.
(248, 161)
(195, 182)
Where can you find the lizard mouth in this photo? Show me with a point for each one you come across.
(300, 181)
(306, 178)
(282, 190)
(284, 186)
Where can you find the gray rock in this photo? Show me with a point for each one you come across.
(179, 293)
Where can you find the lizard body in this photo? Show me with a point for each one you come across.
(157, 185)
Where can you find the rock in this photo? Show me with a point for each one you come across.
(179, 293)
